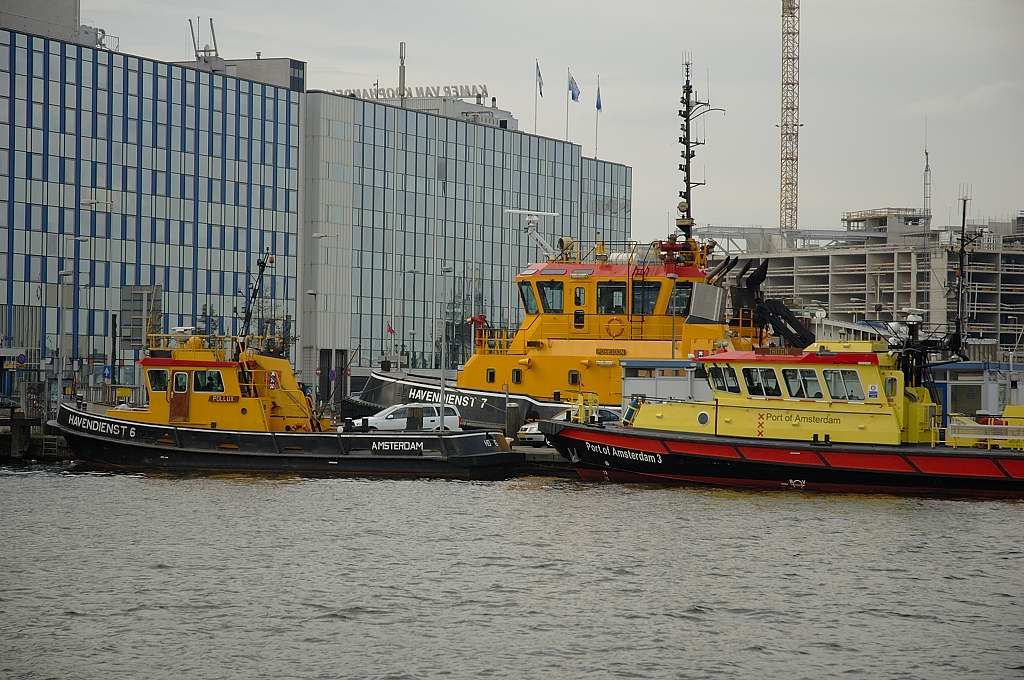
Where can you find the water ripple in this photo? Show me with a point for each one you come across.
(280, 577)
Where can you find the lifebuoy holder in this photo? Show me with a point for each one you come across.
(614, 327)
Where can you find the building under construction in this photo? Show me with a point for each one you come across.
(887, 261)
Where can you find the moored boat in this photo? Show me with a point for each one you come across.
(226, 403)
(853, 417)
(103, 442)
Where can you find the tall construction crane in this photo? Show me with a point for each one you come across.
(789, 122)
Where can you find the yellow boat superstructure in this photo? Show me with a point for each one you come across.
(841, 392)
(191, 382)
(581, 318)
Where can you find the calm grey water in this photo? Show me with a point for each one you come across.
(240, 577)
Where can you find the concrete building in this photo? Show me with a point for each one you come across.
(394, 197)
(886, 262)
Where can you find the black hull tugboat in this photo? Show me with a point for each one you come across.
(223, 403)
(102, 442)
(478, 408)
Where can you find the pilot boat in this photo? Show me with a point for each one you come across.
(840, 417)
(222, 403)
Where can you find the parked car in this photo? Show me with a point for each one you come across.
(530, 432)
(396, 417)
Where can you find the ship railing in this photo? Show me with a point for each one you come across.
(964, 432)
(585, 407)
(494, 340)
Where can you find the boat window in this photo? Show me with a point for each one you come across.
(207, 381)
(526, 295)
(550, 296)
(724, 379)
(844, 385)
(611, 297)
(732, 383)
(574, 377)
(181, 382)
(398, 413)
(490, 375)
(645, 294)
(517, 376)
(158, 381)
(890, 387)
(679, 301)
(762, 382)
(802, 383)
(579, 296)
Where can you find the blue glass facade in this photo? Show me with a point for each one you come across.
(399, 195)
(176, 177)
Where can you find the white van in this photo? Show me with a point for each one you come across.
(395, 417)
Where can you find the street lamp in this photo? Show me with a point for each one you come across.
(60, 311)
(1015, 344)
(672, 276)
(444, 343)
(394, 339)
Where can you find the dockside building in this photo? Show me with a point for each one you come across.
(145, 191)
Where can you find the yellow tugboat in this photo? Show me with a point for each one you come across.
(582, 314)
(233, 403)
(584, 310)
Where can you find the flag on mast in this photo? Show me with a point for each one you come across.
(574, 89)
(390, 329)
(599, 94)
(540, 80)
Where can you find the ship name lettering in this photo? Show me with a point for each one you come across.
(101, 426)
(396, 446)
(807, 418)
(434, 397)
(626, 454)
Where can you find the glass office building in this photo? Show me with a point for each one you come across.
(407, 226)
(120, 171)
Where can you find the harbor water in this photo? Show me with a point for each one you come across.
(116, 576)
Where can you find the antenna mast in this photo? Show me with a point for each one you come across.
(693, 108)
(927, 203)
(789, 123)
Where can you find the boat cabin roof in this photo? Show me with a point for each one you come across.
(619, 270)
(828, 353)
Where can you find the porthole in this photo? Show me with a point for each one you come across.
(703, 418)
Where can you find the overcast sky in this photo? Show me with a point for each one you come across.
(872, 72)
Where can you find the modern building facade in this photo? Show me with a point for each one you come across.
(407, 229)
(120, 173)
(136, 196)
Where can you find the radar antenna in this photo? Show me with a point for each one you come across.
(693, 108)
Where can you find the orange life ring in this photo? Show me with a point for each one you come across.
(614, 327)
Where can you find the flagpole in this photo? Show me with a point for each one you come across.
(597, 115)
(536, 88)
(567, 76)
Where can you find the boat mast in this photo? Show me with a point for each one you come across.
(254, 293)
(693, 108)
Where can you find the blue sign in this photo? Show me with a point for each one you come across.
(108, 372)
(22, 359)
(333, 374)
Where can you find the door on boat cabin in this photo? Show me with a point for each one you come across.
(579, 321)
(178, 412)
